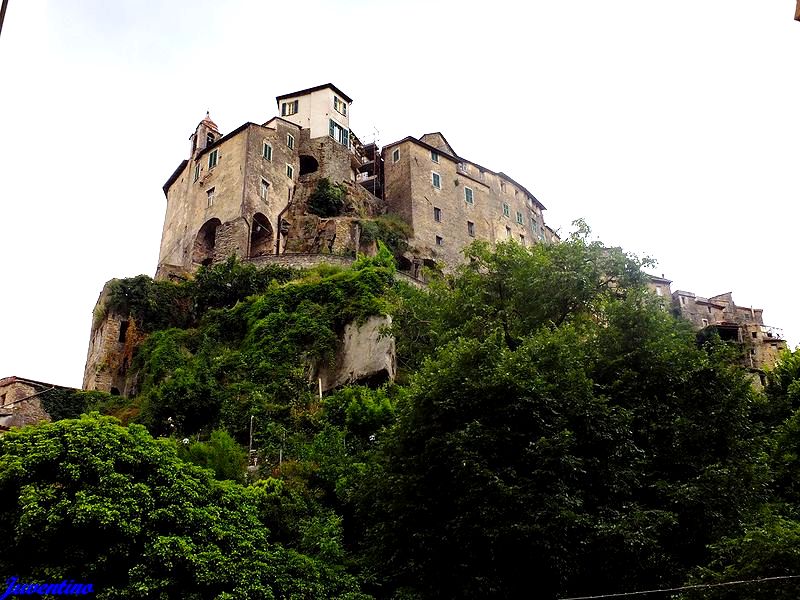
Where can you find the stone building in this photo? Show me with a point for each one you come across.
(234, 194)
(742, 325)
(245, 192)
(21, 402)
(450, 201)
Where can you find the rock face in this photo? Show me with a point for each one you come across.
(363, 354)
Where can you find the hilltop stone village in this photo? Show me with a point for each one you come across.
(254, 193)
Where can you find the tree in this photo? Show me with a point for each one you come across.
(88, 499)
(564, 434)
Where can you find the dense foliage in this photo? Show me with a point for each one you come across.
(389, 229)
(88, 499)
(553, 432)
(327, 199)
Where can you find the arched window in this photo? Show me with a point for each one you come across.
(261, 236)
(203, 251)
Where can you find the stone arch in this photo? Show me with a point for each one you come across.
(261, 236)
(308, 164)
(204, 243)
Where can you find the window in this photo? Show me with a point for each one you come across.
(508, 232)
(705, 322)
(289, 108)
(197, 171)
(436, 180)
(437, 214)
(434, 156)
(123, 331)
(755, 335)
(483, 176)
(683, 300)
(502, 186)
(521, 239)
(469, 196)
(533, 226)
(264, 191)
(519, 218)
(471, 228)
(212, 159)
(209, 139)
(659, 291)
(340, 106)
(289, 171)
(267, 151)
(439, 240)
(463, 168)
(290, 141)
(516, 193)
(396, 155)
(210, 197)
(506, 210)
(339, 133)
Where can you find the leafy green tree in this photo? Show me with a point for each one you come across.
(220, 453)
(558, 434)
(90, 500)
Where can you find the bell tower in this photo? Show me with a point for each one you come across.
(205, 135)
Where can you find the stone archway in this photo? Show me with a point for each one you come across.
(204, 243)
(261, 236)
(308, 164)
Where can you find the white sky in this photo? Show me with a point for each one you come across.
(673, 128)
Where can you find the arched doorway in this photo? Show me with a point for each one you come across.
(308, 164)
(203, 251)
(260, 236)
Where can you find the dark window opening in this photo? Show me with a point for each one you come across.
(114, 391)
(210, 139)
(308, 164)
(754, 334)
(123, 331)
(437, 214)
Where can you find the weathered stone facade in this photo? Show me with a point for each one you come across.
(450, 201)
(21, 402)
(112, 343)
(739, 324)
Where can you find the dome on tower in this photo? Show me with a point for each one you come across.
(209, 123)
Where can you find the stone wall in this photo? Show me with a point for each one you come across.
(21, 403)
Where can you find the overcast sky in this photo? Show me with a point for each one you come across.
(673, 128)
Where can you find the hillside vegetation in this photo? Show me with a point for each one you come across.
(553, 432)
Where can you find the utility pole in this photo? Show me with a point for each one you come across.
(3, 14)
